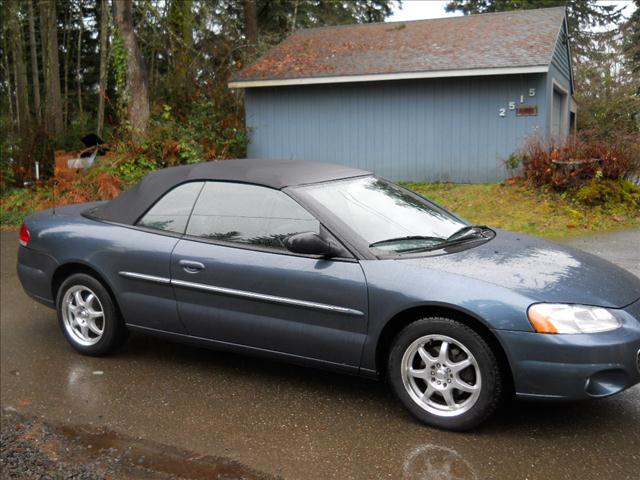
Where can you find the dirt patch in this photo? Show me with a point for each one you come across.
(33, 449)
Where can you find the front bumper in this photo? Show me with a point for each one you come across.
(577, 366)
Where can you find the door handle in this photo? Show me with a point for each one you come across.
(190, 266)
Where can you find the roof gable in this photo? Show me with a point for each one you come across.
(506, 42)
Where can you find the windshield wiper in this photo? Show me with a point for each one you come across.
(470, 231)
(409, 237)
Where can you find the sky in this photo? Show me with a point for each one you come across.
(421, 9)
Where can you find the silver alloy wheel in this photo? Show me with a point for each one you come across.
(441, 375)
(82, 315)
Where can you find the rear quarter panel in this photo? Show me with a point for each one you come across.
(67, 237)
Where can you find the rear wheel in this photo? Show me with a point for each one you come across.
(88, 317)
(445, 374)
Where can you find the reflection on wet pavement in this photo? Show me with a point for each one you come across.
(436, 463)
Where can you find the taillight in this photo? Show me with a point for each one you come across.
(24, 236)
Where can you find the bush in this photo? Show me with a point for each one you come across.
(580, 160)
(67, 188)
(514, 161)
(206, 132)
(131, 170)
(612, 193)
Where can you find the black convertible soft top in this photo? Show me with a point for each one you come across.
(129, 206)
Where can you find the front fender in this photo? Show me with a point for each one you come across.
(396, 287)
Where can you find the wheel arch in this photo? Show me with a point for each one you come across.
(410, 315)
(67, 269)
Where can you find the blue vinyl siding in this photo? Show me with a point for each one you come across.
(433, 129)
(560, 75)
(560, 58)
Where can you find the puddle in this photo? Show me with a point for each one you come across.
(158, 457)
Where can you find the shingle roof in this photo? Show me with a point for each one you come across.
(505, 40)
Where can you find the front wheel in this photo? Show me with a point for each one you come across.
(88, 317)
(445, 374)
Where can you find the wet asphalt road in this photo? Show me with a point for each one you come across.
(296, 423)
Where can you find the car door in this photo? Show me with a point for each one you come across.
(235, 282)
(140, 260)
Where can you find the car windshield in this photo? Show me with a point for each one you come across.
(384, 215)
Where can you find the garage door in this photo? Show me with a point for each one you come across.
(556, 114)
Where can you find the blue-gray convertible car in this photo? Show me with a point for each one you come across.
(334, 267)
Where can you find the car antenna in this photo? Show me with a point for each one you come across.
(55, 189)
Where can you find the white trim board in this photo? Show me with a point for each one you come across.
(471, 72)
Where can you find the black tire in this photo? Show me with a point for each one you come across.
(114, 331)
(489, 383)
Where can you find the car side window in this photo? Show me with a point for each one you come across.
(248, 214)
(171, 212)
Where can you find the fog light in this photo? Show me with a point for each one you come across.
(606, 382)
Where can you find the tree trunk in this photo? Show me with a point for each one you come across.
(35, 74)
(78, 61)
(295, 16)
(21, 82)
(22, 92)
(152, 67)
(16, 119)
(181, 24)
(137, 81)
(7, 71)
(53, 102)
(102, 90)
(66, 42)
(251, 22)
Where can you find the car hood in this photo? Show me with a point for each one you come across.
(541, 270)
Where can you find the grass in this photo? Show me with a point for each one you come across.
(510, 205)
(518, 207)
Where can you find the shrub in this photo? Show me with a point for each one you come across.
(580, 160)
(514, 161)
(609, 192)
(130, 170)
(67, 188)
(206, 131)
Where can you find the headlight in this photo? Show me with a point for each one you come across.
(560, 318)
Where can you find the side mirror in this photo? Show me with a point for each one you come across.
(309, 243)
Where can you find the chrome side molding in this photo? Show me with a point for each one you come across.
(242, 293)
(146, 278)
